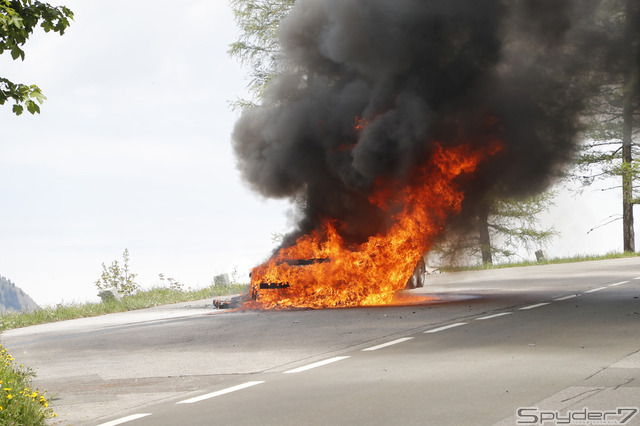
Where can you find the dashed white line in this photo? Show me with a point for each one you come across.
(125, 419)
(617, 284)
(593, 290)
(637, 278)
(384, 345)
(493, 316)
(316, 364)
(446, 327)
(537, 305)
(220, 392)
(560, 299)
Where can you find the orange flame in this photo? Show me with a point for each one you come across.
(372, 272)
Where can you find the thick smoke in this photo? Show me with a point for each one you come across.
(415, 72)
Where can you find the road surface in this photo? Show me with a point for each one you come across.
(499, 347)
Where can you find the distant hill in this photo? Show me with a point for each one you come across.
(13, 299)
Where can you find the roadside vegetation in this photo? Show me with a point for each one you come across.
(558, 260)
(140, 300)
(19, 403)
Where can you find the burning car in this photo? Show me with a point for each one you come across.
(416, 280)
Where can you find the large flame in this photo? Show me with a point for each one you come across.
(372, 272)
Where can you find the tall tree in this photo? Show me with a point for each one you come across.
(18, 19)
(613, 120)
(500, 229)
(258, 44)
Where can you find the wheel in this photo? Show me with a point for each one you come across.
(411, 282)
(420, 273)
(417, 278)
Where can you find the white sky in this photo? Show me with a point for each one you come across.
(132, 150)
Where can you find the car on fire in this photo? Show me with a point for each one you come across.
(416, 280)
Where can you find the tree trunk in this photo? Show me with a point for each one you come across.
(630, 90)
(485, 238)
(628, 232)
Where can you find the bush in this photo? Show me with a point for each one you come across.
(19, 404)
(118, 277)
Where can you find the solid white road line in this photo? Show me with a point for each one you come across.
(493, 316)
(446, 327)
(125, 419)
(384, 345)
(316, 364)
(560, 299)
(537, 305)
(617, 284)
(593, 290)
(220, 392)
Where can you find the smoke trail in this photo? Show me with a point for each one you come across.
(372, 84)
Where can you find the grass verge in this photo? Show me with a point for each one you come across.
(140, 300)
(552, 261)
(19, 404)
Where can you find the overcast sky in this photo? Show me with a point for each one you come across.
(132, 150)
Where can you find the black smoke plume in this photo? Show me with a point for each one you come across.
(416, 72)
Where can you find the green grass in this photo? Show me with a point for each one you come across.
(19, 403)
(140, 300)
(557, 260)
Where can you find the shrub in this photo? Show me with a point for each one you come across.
(19, 403)
(118, 277)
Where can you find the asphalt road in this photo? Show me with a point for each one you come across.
(556, 340)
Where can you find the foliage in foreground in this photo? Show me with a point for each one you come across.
(18, 19)
(19, 404)
(140, 300)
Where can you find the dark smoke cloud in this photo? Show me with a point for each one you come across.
(418, 72)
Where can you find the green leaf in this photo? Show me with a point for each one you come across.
(17, 109)
(37, 94)
(15, 53)
(33, 107)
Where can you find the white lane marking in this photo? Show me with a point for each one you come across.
(446, 327)
(617, 284)
(316, 364)
(125, 419)
(220, 392)
(493, 316)
(560, 299)
(537, 305)
(384, 345)
(593, 290)
(637, 278)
